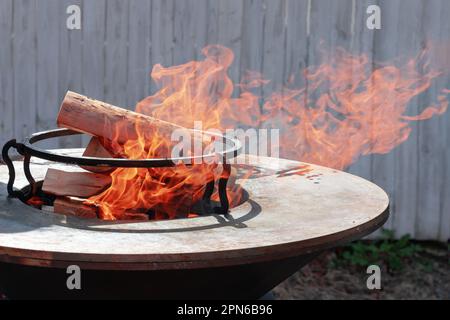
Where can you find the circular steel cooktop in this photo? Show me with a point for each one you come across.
(289, 212)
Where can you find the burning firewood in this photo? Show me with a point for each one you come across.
(78, 207)
(73, 206)
(123, 133)
(77, 184)
(95, 149)
(110, 123)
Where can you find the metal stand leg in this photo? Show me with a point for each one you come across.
(206, 201)
(26, 169)
(224, 204)
(12, 173)
(222, 189)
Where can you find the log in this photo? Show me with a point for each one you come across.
(108, 122)
(73, 206)
(77, 184)
(117, 129)
(95, 149)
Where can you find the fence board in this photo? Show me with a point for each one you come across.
(162, 33)
(432, 151)
(190, 25)
(47, 103)
(383, 166)
(6, 72)
(116, 53)
(406, 155)
(442, 61)
(296, 44)
(362, 42)
(252, 38)
(230, 32)
(24, 64)
(93, 32)
(139, 58)
(70, 62)
(274, 32)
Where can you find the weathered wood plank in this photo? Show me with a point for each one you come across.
(252, 38)
(406, 162)
(190, 25)
(330, 27)
(94, 34)
(443, 61)
(326, 33)
(189, 29)
(383, 166)
(24, 64)
(229, 32)
(139, 57)
(162, 34)
(432, 150)
(362, 42)
(401, 28)
(274, 44)
(6, 72)
(296, 43)
(117, 14)
(70, 62)
(47, 104)
(212, 22)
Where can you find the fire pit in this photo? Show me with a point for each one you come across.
(231, 148)
(289, 216)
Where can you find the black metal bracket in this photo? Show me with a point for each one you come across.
(27, 151)
(20, 148)
(222, 190)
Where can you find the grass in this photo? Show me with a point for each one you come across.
(389, 252)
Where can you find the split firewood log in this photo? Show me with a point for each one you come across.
(73, 206)
(77, 184)
(115, 126)
(108, 122)
(95, 149)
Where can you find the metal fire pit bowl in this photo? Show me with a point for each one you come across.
(288, 219)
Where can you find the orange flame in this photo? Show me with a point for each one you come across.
(168, 192)
(345, 110)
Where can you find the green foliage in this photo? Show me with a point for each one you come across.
(388, 251)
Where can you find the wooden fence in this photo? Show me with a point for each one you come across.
(111, 56)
